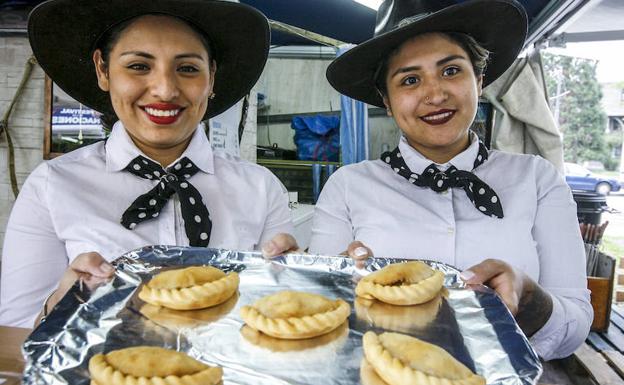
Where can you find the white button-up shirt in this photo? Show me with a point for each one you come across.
(539, 233)
(73, 204)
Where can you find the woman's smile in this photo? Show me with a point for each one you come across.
(438, 117)
(162, 113)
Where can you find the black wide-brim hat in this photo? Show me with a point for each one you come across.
(500, 26)
(63, 35)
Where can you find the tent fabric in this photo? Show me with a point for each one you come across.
(353, 125)
(523, 122)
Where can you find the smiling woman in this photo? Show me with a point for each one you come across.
(159, 67)
(160, 77)
(507, 220)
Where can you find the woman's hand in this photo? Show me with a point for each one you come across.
(280, 244)
(525, 298)
(359, 252)
(91, 267)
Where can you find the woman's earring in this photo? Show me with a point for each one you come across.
(212, 96)
(388, 111)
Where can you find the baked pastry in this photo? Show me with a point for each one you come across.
(368, 376)
(398, 318)
(408, 283)
(196, 287)
(403, 360)
(273, 344)
(179, 319)
(295, 315)
(148, 365)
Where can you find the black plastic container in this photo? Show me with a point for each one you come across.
(590, 206)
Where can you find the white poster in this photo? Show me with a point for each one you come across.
(224, 130)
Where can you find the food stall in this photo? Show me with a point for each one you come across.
(91, 311)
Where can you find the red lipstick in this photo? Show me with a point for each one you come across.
(438, 117)
(162, 113)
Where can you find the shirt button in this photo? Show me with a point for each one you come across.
(450, 230)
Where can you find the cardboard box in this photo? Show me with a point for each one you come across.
(601, 286)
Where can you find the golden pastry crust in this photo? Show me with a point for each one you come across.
(148, 365)
(398, 318)
(368, 376)
(273, 344)
(409, 283)
(403, 360)
(179, 319)
(295, 315)
(195, 287)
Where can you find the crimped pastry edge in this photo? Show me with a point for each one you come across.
(277, 327)
(102, 373)
(213, 293)
(413, 294)
(394, 372)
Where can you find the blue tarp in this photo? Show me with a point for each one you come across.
(317, 137)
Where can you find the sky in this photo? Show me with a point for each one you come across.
(608, 53)
(370, 3)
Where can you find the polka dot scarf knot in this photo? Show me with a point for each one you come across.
(480, 194)
(197, 221)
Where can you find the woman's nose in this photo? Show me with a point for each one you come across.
(434, 92)
(165, 86)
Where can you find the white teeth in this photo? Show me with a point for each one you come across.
(443, 115)
(161, 113)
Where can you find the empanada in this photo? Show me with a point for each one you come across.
(408, 283)
(368, 376)
(295, 315)
(148, 365)
(403, 360)
(194, 287)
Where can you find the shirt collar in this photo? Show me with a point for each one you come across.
(120, 150)
(417, 162)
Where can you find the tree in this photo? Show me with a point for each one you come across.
(575, 96)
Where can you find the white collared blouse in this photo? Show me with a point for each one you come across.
(73, 204)
(539, 233)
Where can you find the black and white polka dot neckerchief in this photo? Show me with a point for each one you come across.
(480, 194)
(197, 221)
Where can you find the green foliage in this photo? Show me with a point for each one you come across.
(575, 93)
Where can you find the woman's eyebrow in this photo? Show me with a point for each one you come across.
(150, 56)
(449, 58)
(439, 63)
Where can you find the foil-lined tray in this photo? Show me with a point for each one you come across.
(472, 324)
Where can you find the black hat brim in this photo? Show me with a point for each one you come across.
(63, 34)
(500, 26)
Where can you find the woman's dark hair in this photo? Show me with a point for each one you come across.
(476, 52)
(109, 38)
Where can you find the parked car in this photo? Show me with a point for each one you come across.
(580, 178)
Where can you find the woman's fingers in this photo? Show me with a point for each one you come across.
(90, 267)
(93, 264)
(280, 244)
(359, 252)
(501, 277)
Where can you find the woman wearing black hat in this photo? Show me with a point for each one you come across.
(160, 67)
(507, 219)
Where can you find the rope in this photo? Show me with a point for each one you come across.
(4, 123)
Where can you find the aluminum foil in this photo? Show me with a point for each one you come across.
(472, 323)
